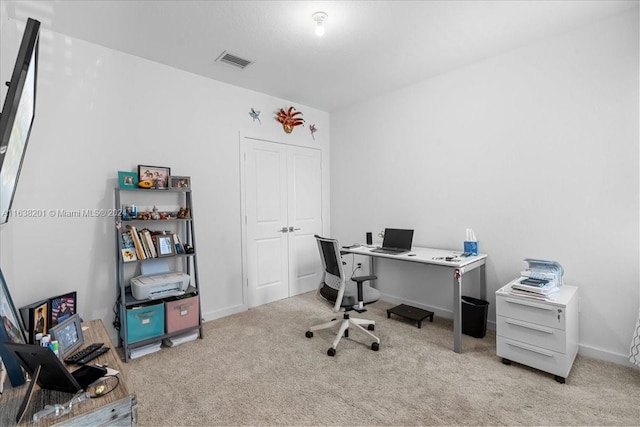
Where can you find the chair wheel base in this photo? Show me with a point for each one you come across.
(375, 346)
(331, 352)
(309, 334)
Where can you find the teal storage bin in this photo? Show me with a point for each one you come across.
(144, 322)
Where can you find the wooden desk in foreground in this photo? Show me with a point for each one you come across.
(117, 408)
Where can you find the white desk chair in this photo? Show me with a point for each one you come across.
(343, 296)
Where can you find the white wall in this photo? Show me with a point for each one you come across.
(536, 150)
(100, 111)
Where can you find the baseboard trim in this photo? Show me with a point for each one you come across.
(605, 355)
(212, 315)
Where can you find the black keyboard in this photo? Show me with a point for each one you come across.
(73, 358)
(93, 355)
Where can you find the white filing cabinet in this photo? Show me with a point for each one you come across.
(538, 333)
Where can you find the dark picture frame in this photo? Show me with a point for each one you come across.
(128, 179)
(11, 332)
(62, 307)
(158, 174)
(35, 318)
(180, 182)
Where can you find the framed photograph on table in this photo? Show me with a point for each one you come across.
(158, 174)
(62, 307)
(36, 319)
(11, 331)
(128, 179)
(180, 182)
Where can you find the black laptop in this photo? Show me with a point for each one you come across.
(396, 241)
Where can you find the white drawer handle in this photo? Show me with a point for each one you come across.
(529, 326)
(529, 348)
(529, 304)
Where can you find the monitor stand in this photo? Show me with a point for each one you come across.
(28, 394)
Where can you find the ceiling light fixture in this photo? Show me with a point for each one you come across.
(319, 17)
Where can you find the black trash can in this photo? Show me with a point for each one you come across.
(474, 317)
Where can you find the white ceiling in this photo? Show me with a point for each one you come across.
(370, 47)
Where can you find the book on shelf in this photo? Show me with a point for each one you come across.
(136, 242)
(178, 244)
(150, 243)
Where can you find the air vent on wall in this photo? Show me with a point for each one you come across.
(230, 59)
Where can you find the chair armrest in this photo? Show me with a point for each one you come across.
(359, 280)
(363, 278)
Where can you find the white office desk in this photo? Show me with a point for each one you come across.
(459, 267)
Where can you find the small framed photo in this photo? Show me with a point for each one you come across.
(165, 245)
(180, 182)
(128, 179)
(62, 307)
(159, 175)
(129, 254)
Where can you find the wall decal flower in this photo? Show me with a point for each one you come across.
(313, 130)
(289, 119)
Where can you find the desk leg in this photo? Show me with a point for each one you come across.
(457, 311)
(372, 268)
(483, 282)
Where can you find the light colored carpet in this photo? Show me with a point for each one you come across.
(257, 368)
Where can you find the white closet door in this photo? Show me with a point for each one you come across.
(305, 216)
(283, 206)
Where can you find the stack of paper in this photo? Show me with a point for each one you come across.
(145, 349)
(541, 279)
(180, 339)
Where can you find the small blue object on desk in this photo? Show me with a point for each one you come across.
(471, 247)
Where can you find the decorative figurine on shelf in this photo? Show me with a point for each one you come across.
(288, 119)
(183, 213)
(155, 214)
(146, 183)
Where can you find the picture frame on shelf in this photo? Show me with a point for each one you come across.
(129, 254)
(11, 331)
(159, 175)
(128, 179)
(165, 245)
(180, 182)
(62, 307)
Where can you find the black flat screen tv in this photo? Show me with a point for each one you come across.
(17, 116)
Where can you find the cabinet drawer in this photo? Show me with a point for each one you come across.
(531, 311)
(536, 357)
(531, 333)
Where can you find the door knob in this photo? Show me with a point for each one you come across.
(283, 230)
(291, 229)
